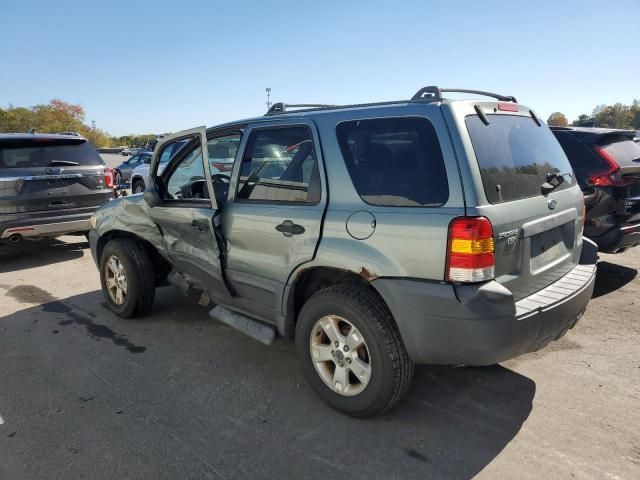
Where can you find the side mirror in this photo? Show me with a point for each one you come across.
(152, 197)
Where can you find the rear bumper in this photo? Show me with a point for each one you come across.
(32, 226)
(618, 238)
(482, 324)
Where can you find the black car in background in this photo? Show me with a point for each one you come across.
(607, 166)
(50, 185)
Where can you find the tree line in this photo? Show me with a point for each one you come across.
(58, 116)
(617, 115)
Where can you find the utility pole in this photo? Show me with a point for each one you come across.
(268, 98)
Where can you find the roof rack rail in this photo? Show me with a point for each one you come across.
(280, 107)
(435, 93)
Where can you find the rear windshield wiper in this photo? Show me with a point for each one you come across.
(548, 186)
(54, 163)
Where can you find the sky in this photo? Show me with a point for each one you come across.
(155, 66)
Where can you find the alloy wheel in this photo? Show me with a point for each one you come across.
(115, 280)
(340, 355)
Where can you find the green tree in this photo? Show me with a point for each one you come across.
(557, 119)
(582, 120)
(613, 116)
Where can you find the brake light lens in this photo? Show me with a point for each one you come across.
(108, 177)
(223, 167)
(471, 253)
(612, 177)
(507, 107)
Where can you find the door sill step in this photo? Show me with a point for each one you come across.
(256, 330)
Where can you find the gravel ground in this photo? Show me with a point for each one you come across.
(84, 394)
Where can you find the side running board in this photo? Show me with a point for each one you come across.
(256, 330)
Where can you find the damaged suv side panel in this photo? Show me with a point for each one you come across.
(128, 215)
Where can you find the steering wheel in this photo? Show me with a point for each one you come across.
(220, 179)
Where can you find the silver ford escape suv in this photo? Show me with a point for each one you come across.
(378, 236)
(50, 185)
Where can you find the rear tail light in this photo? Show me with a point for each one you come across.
(223, 167)
(612, 177)
(584, 214)
(108, 177)
(470, 256)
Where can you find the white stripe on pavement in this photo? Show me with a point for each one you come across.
(1, 420)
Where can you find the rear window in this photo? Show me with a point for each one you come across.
(515, 155)
(395, 161)
(46, 152)
(583, 159)
(622, 149)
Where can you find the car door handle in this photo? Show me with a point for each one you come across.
(288, 228)
(199, 225)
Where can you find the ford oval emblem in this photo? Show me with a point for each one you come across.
(552, 204)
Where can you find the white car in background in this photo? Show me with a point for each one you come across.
(222, 152)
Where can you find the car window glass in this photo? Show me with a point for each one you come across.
(222, 153)
(45, 152)
(170, 150)
(583, 160)
(515, 155)
(279, 165)
(624, 150)
(187, 180)
(395, 161)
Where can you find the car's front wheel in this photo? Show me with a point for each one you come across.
(127, 278)
(138, 186)
(351, 351)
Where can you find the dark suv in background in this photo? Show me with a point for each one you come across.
(607, 165)
(50, 185)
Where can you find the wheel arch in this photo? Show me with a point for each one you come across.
(307, 281)
(160, 264)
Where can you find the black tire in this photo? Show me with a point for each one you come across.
(139, 273)
(391, 367)
(137, 186)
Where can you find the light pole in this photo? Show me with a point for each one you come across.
(268, 97)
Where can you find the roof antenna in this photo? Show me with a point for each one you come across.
(268, 89)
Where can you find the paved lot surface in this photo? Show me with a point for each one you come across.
(113, 159)
(84, 394)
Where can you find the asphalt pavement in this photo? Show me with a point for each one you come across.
(177, 395)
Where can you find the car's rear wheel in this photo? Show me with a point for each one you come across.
(138, 186)
(127, 278)
(351, 351)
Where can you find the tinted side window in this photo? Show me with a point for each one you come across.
(279, 165)
(395, 161)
